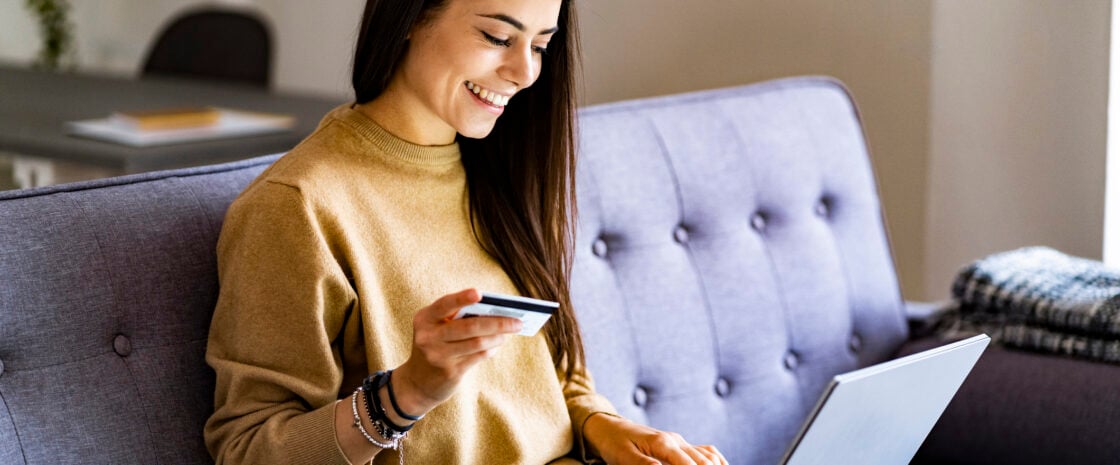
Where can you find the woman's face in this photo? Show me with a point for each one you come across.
(470, 59)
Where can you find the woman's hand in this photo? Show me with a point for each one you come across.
(443, 350)
(622, 442)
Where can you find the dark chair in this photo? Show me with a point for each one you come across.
(224, 45)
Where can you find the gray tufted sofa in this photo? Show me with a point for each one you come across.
(731, 257)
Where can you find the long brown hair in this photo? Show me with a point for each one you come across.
(521, 177)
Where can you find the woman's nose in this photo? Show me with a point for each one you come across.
(521, 66)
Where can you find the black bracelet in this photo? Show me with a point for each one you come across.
(393, 399)
(372, 385)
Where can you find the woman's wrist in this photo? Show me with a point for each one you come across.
(409, 399)
(593, 432)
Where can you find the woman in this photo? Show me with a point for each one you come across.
(449, 172)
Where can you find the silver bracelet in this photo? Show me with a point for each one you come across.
(358, 424)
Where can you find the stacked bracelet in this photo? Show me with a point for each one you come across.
(372, 386)
(393, 399)
(358, 424)
(391, 433)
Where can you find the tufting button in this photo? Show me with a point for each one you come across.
(758, 222)
(791, 361)
(855, 343)
(599, 248)
(723, 387)
(1, 368)
(680, 235)
(641, 397)
(122, 345)
(822, 207)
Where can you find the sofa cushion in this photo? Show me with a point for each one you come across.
(104, 316)
(730, 259)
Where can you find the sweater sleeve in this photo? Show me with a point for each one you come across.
(283, 299)
(583, 402)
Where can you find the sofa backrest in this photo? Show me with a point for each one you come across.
(730, 259)
(108, 288)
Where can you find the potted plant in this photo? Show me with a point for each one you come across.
(56, 32)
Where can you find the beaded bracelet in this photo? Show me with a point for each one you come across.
(394, 443)
(358, 424)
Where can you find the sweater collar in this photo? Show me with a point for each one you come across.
(394, 146)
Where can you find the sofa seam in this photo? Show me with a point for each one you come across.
(76, 360)
(779, 285)
(849, 289)
(628, 314)
(679, 194)
(214, 228)
(19, 440)
(143, 413)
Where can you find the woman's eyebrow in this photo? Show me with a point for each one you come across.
(517, 24)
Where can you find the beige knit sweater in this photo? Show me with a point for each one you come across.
(323, 260)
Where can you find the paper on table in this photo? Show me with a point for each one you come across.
(231, 123)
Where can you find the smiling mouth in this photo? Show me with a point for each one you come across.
(488, 96)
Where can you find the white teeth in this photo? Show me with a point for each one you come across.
(488, 95)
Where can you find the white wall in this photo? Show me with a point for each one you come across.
(985, 119)
(1019, 104)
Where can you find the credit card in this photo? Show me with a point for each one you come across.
(533, 313)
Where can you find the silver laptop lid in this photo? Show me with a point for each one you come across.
(880, 415)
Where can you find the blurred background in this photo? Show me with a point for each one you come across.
(987, 120)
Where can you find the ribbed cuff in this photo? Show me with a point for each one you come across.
(311, 438)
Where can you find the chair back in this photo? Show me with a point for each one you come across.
(232, 46)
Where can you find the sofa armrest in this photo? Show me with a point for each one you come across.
(1019, 407)
(924, 317)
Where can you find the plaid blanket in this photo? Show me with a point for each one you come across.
(1041, 299)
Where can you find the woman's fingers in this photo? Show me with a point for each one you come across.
(672, 449)
(445, 308)
(669, 449)
(469, 328)
(713, 454)
(478, 345)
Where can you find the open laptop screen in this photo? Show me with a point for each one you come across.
(881, 414)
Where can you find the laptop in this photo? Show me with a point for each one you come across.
(881, 414)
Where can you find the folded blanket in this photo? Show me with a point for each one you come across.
(1040, 299)
(1042, 288)
(1046, 340)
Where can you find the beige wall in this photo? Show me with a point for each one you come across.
(1018, 129)
(985, 119)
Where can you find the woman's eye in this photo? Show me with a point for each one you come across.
(496, 41)
(540, 50)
